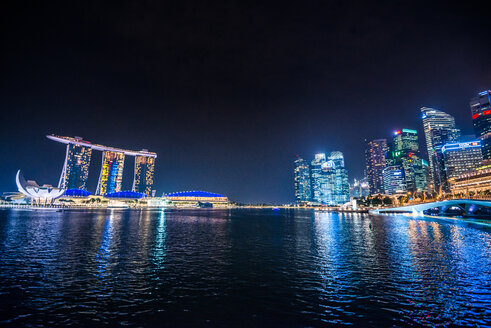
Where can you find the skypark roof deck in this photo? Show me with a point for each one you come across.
(85, 143)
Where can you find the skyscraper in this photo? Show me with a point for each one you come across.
(394, 180)
(303, 187)
(375, 164)
(111, 175)
(461, 157)
(439, 128)
(329, 179)
(144, 169)
(340, 184)
(319, 178)
(481, 119)
(405, 152)
(76, 168)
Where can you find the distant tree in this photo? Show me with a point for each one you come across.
(387, 200)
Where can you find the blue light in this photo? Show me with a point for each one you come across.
(193, 194)
(77, 193)
(126, 194)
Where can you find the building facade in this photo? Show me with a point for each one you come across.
(111, 175)
(375, 164)
(77, 161)
(394, 180)
(439, 128)
(404, 151)
(461, 157)
(144, 170)
(303, 188)
(481, 120)
(76, 168)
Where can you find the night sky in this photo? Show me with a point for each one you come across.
(229, 93)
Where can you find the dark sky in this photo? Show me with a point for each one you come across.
(228, 93)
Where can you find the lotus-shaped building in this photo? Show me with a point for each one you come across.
(40, 194)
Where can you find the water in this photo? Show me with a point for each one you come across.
(245, 268)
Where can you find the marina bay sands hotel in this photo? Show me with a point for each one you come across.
(77, 161)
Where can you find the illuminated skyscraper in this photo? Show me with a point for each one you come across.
(481, 119)
(439, 128)
(76, 168)
(405, 152)
(111, 175)
(329, 179)
(461, 157)
(340, 185)
(144, 168)
(77, 161)
(319, 178)
(394, 180)
(303, 187)
(375, 164)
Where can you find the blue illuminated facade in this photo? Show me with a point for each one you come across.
(462, 157)
(77, 193)
(126, 194)
(328, 179)
(193, 194)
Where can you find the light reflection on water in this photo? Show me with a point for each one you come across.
(241, 267)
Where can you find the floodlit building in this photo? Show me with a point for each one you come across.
(303, 187)
(329, 179)
(404, 151)
(77, 161)
(481, 120)
(477, 181)
(359, 188)
(375, 164)
(461, 157)
(394, 180)
(76, 168)
(144, 170)
(196, 199)
(439, 128)
(111, 175)
(44, 194)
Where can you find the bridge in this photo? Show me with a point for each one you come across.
(467, 206)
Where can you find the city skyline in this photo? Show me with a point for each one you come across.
(228, 103)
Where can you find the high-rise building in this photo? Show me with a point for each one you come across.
(461, 157)
(375, 164)
(359, 188)
(329, 179)
(144, 169)
(303, 187)
(394, 180)
(111, 175)
(405, 152)
(481, 119)
(76, 168)
(406, 141)
(439, 128)
(340, 184)
(320, 174)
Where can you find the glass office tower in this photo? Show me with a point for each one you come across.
(111, 175)
(461, 157)
(481, 119)
(340, 185)
(439, 128)
(320, 174)
(76, 168)
(144, 169)
(405, 152)
(394, 180)
(303, 187)
(375, 164)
